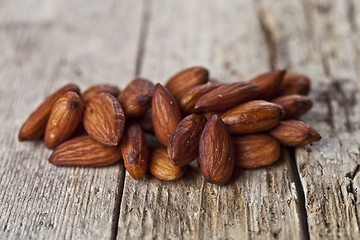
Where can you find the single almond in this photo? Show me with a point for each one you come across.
(294, 105)
(183, 146)
(79, 131)
(166, 114)
(186, 79)
(135, 99)
(255, 150)
(104, 119)
(227, 96)
(216, 152)
(34, 126)
(64, 118)
(135, 151)
(294, 133)
(253, 116)
(93, 90)
(145, 122)
(84, 151)
(161, 166)
(208, 115)
(269, 83)
(294, 83)
(189, 97)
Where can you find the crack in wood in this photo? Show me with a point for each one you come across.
(270, 35)
(329, 116)
(325, 65)
(353, 174)
(344, 101)
(351, 13)
(144, 28)
(116, 214)
(351, 189)
(303, 217)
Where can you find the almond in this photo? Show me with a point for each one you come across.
(216, 152)
(294, 133)
(294, 105)
(93, 90)
(215, 81)
(294, 83)
(104, 119)
(184, 142)
(166, 114)
(162, 168)
(146, 122)
(227, 96)
(252, 117)
(186, 79)
(35, 125)
(84, 151)
(64, 118)
(79, 131)
(255, 150)
(189, 97)
(135, 151)
(208, 115)
(135, 99)
(269, 83)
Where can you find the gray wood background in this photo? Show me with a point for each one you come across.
(311, 193)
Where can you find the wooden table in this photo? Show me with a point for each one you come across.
(312, 192)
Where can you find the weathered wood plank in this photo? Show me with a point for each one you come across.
(259, 204)
(321, 38)
(43, 46)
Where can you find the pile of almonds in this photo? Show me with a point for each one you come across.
(240, 124)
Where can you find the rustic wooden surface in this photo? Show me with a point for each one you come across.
(44, 46)
(322, 38)
(311, 192)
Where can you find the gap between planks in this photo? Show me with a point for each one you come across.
(271, 37)
(300, 193)
(145, 22)
(271, 40)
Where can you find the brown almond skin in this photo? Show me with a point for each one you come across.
(186, 79)
(294, 83)
(294, 105)
(183, 146)
(227, 96)
(255, 150)
(135, 99)
(162, 168)
(104, 119)
(135, 151)
(216, 152)
(64, 118)
(146, 122)
(165, 114)
(189, 97)
(253, 116)
(208, 115)
(269, 83)
(79, 131)
(294, 133)
(34, 126)
(86, 152)
(93, 90)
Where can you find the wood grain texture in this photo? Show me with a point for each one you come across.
(256, 204)
(49, 43)
(45, 45)
(321, 38)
